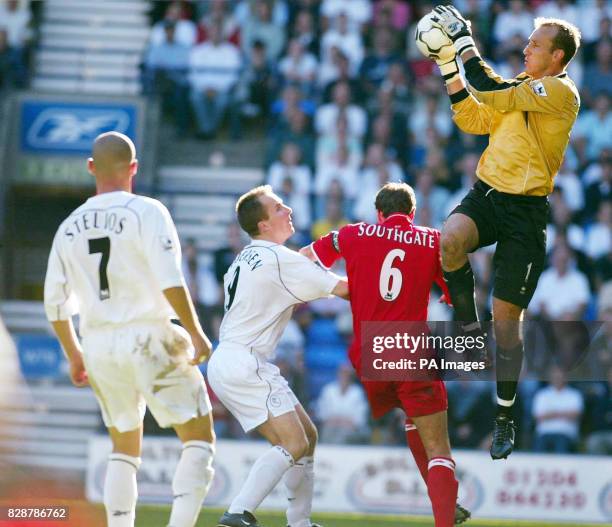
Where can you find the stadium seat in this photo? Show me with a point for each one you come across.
(325, 355)
(324, 331)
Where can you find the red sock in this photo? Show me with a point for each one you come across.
(416, 447)
(442, 489)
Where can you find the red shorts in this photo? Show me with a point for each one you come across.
(414, 397)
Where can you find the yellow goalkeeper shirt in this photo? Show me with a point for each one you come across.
(528, 122)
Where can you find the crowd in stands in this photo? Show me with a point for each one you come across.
(15, 40)
(347, 104)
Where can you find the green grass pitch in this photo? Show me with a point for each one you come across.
(148, 516)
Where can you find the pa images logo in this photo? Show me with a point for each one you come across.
(394, 485)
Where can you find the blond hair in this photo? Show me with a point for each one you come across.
(567, 38)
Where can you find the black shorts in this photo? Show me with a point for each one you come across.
(518, 224)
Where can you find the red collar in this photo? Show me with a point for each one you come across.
(399, 218)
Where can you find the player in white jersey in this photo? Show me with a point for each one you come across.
(262, 286)
(116, 260)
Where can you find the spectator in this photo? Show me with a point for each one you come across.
(333, 220)
(432, 196)
(304, 30)
(430, 115)
(290, 359)
(224, 256)
(571, 188)
(185, 32)
(326, 115)
(261, 26)
(397, 84)
(598, 75)
(562, 223)
(294, 128)
(398, 12)
(328, 146)
(378, 170)
(469, 414)
(599, 441)
(15, 21)
(563, 9)
(256, 84)
(557, 410)
(383, 109)
(342, 410)
(336, 72)
(515, 21)
(341, 168)
(247, 10)
(598, 178)
(214, 69)
(291, 100)
(359, 12)
(467, 177)
(592, 12)
(562, 292)
(598, 242)
(298, 67)
(200, 281)
(375, 67)
(599, 359)
(217, 14)
(347, 40)
(593, 130)
(166, 67)
(512, 65)
(5, 62)
(292, 180)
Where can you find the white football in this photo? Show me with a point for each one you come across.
(431, 39)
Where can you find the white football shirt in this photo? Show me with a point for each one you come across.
(261, 287)
(110, 261)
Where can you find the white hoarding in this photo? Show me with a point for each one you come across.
(386, 480)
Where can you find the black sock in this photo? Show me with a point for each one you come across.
(508, 363)
(461, 287)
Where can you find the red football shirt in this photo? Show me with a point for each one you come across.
(391, 267)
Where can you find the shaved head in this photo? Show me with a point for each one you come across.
(112, 154)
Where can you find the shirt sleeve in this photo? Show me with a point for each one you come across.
(545, 95)
(470, 115)
(482, 77)
(439, 275)
(304, 279)
(60, 302)
(327, 249)
(162, 248)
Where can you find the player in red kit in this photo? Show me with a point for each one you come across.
(391, 267)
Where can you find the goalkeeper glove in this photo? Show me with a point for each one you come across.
(456, 27)
(449, 70)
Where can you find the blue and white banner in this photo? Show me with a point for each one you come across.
(49, 127)
(40, 356)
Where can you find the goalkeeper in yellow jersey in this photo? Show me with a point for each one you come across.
(528, 119)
